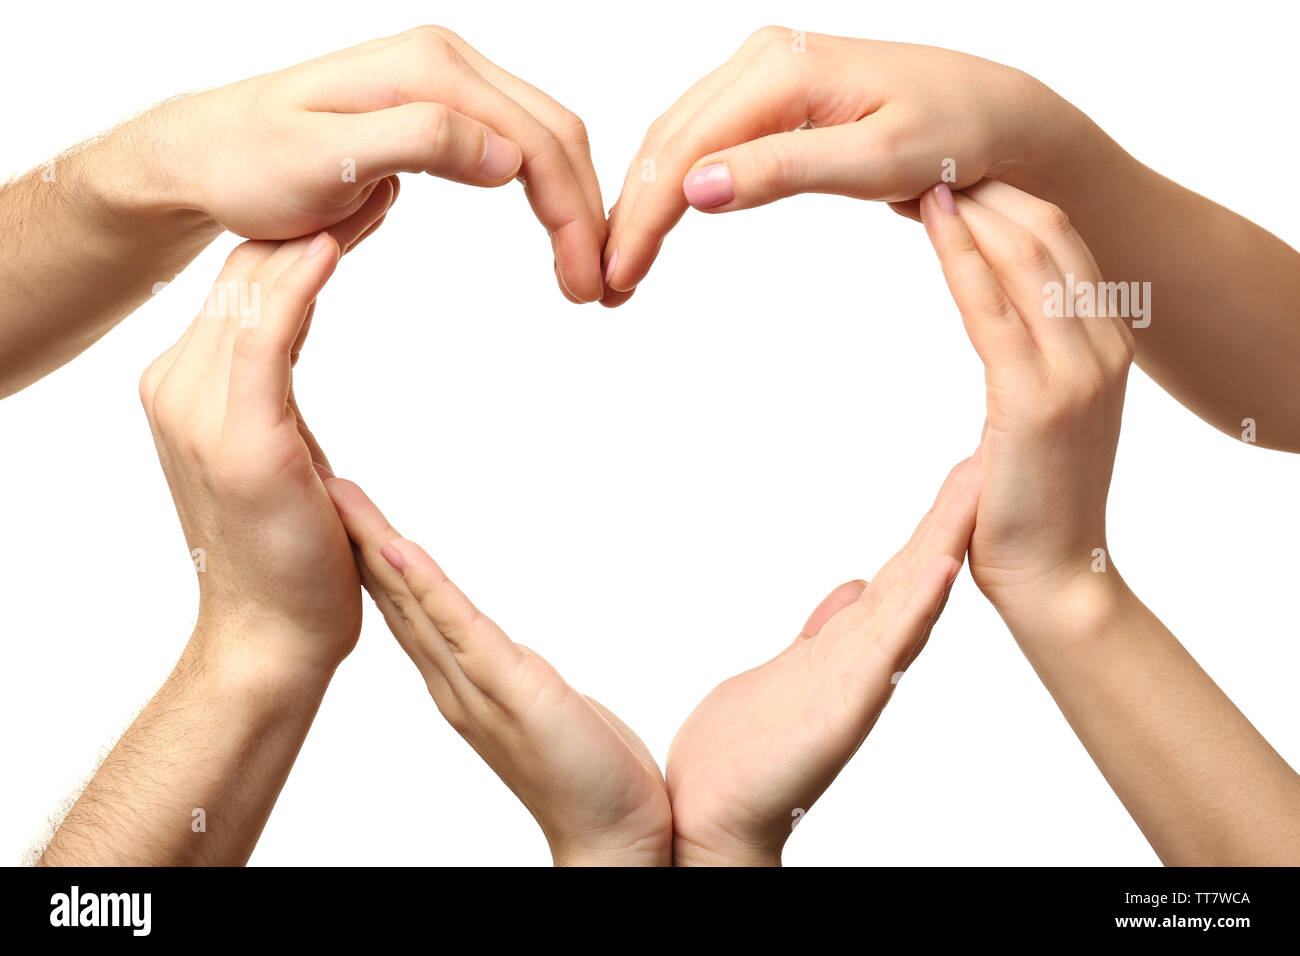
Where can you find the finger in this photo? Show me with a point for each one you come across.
(1110, 333)
(260, 366)
(348, 237)
(431, 138)
(370, 532)
(832, 604)
(401, 629)
(567, 127)
(1026, 270)
(449, 630)
(908, 209)
(651, 202)
(945, 529)
(862, 160)
(421, 66)
(907, 628)
(370, 229)
(473, 636)
(991, 320)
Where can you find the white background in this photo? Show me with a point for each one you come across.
(653, 497)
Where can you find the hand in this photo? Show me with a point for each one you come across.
(277, 580)
(767, 743)
(587, 779)
(885, 118)
(291, 152)
(1055, 390)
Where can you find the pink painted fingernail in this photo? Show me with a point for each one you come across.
(500, 156)
(393, 557)
(709, 186)
(317, 245)
(609, 269)
(946, 202)
(322, 470)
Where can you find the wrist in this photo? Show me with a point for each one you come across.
(1057, 147)
(1066, 611)
(653, 850)
(132, 181)
(246, 663)
(688, 853)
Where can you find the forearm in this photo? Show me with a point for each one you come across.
(1202, 784)
(83, 242)
(1224, 333)
(194, 778)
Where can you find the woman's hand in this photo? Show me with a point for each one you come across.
(272, 557)
(756, 753)
(587, 779)
(1055, 390)
(887, 121)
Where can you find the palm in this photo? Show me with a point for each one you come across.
(605, 774)
(765, 744)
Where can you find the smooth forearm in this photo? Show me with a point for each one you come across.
(194, 778)
(83, 242)
(1203, 785)
(1224, 333)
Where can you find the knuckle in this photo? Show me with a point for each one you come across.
(773, 167)
(766, 37)
(149, 386)
(572, 129)
(989, 301)
(1029, 253)
(433, 126)
(430, 47)
(1052, 219)
(456, 717)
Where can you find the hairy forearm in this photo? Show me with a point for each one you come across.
(194, 778)
(1224, 333)
(83, 242)
(1199, 780)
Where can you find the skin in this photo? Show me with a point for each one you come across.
(767, 743)
(266, 158)
(279, 595)
(761, 744)
(1203, 785)
(587, 779)
(1224, 337)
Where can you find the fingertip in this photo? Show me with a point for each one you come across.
(501, 158)
(394, 557)
(612, 298)
(840, 598)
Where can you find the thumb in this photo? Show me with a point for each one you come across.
(865, 160)
(431, 138)
(832, 604)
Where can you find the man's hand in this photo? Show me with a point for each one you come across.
(291, 152)
(194, 778)
(276, 157)
(756, 753)
(584, 775)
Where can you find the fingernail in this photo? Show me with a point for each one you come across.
(393, 557)
(317, 245)
(944, 195)
(709, 186)
(952, 576)
(322, 470)
(609, 269)
(500, 156)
